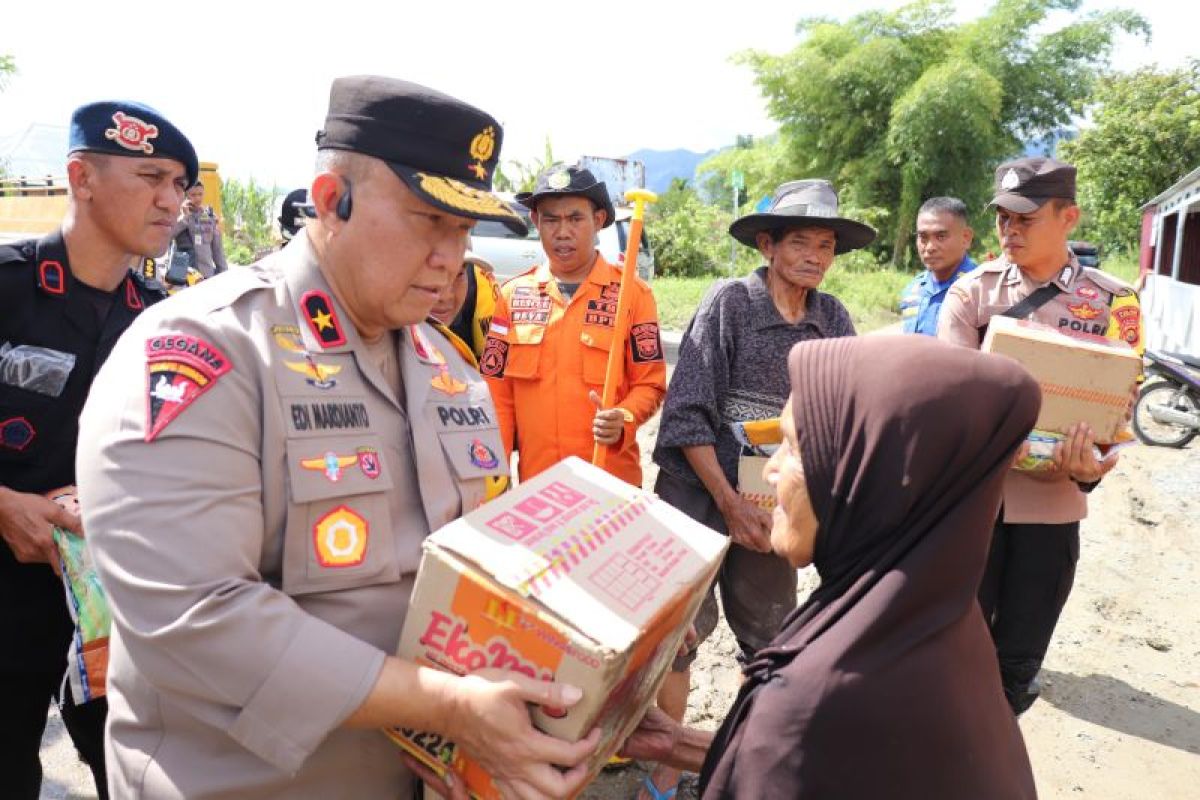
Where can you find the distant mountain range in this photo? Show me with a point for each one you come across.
(664, 165)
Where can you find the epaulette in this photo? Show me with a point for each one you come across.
(1109, 283)
(148, 286)
(995, 265)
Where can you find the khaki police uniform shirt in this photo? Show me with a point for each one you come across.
(1083, 307)
(255, 498)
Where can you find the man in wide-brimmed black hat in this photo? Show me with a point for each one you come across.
(303, 409)
(550, 337)
(729, 385)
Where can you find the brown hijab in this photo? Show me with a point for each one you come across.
(884, 683)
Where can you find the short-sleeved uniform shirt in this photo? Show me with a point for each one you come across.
(285, 473)
(1091, 303)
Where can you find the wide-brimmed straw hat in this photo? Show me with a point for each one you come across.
(811, 203)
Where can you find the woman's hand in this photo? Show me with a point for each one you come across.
(654, 738)
(749, 525)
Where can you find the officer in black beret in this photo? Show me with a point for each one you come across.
(293, 431)
(64, 301)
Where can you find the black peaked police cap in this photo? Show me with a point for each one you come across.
(444, 150)
(125, 128)
(561, 180)
(1024, 185)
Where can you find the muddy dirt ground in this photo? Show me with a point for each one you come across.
(1120, 712)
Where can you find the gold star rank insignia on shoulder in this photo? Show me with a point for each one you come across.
(322, 319)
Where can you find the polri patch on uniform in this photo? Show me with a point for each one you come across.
(322, 319)
(645, 343)
(179, 368)
(340, 538)
(16, 433)
(494, 359)
(481, 455)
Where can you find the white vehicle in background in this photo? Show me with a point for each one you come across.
(512, 254)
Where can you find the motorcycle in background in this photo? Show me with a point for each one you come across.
(1167, 412)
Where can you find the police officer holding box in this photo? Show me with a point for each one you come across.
(260, 462)
(1035, 544)
(64, 301)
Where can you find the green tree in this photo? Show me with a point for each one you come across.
(690, 236)
(521, 176)
(897, 106)
(246, 225)
(1145, 135)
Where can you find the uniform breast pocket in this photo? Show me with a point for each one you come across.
(596, 341)
(24, 417)
(339, 529)
(522, 361)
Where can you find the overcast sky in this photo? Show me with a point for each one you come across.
(249, 81)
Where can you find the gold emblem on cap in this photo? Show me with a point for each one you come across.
(559, 180)
(1011, 180)
(482, 148)
(458, 195)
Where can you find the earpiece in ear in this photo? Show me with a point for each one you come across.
(344, 204)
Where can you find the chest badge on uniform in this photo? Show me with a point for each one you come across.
(428, 353)
(317, 375)
(331, 464)
(179, 368)
(322, 319)
(369, 463)
(481, 455)
(340, 538)
(16, 433)
(1083, 310)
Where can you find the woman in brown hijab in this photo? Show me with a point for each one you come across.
(883, 684)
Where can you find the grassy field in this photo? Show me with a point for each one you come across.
(870, 296)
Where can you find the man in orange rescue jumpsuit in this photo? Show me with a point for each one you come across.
(548, 345)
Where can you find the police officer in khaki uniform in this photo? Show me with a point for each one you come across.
(259, 464)
(1035, 544)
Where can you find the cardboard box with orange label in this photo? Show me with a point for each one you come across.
(1083, 378)
(574, 576)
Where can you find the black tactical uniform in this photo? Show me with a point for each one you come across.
(42, 305)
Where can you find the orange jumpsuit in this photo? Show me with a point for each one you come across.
(543, 356)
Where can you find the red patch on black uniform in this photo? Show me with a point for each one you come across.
(645, 343)
(322, 319)
(494, 358)
(132, 298)
(51, 277)
(16, 433)
(179, 368)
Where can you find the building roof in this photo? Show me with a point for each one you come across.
(39, 150)
(1183, 184)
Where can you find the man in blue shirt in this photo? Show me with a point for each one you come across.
(943, 239)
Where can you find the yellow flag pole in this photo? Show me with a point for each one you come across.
(616, 353)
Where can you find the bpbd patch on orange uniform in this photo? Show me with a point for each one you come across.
(645, 343)
(179, 368)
